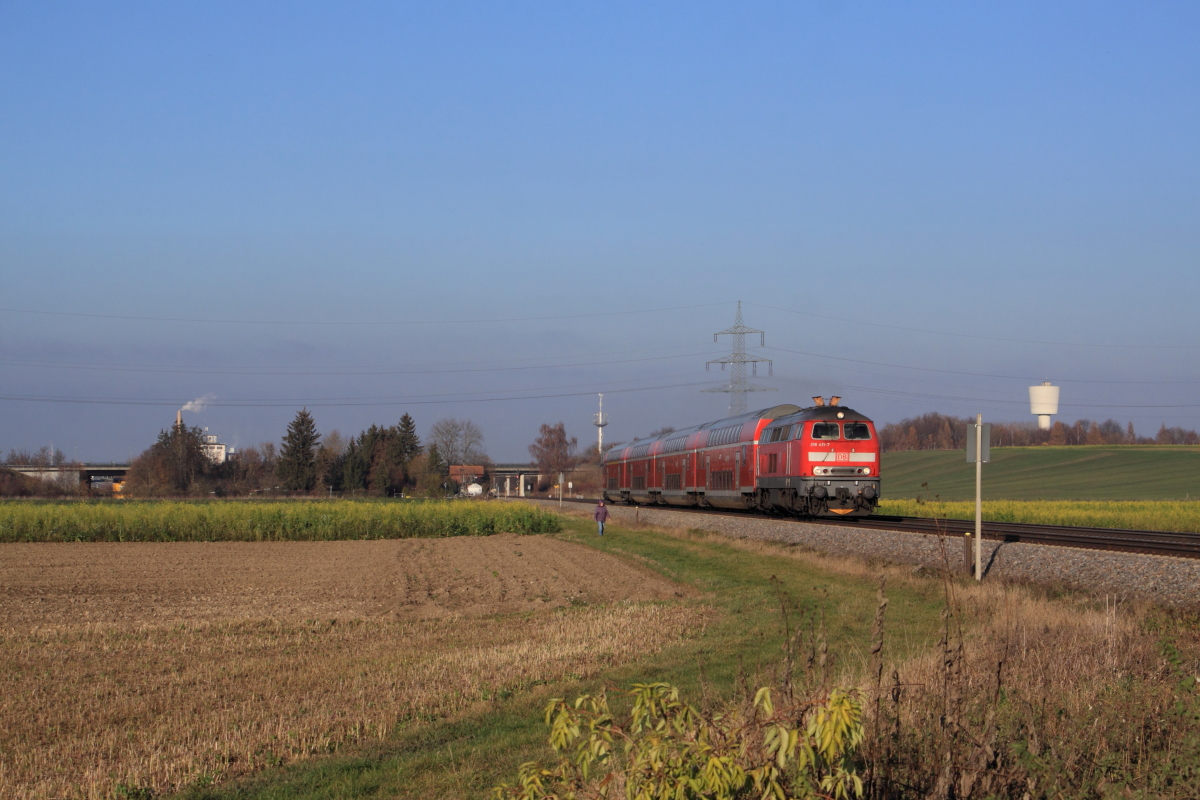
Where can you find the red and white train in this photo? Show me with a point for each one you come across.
(817, 461)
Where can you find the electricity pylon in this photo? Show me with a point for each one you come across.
(739, 385)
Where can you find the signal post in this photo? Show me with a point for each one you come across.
(979, 450)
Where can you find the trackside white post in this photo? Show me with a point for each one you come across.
(979, 497)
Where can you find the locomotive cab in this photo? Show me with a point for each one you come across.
(822, 461)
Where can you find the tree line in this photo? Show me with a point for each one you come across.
(934, 431)
(380, 461)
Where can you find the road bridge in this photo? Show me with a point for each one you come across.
(85, 472)
(514, 480)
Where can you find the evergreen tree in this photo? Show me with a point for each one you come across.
(381, 475)
(298, 457)
(408, 444)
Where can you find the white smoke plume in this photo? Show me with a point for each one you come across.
(199, 403)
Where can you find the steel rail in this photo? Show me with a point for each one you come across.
(1159, 543)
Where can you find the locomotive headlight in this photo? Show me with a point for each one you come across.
(866, 470)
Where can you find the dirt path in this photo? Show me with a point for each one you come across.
(151, 583)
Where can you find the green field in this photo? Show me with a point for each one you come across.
(262, 521)
(1145, 515)
(1048, 473)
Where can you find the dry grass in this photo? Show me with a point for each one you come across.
(1033, 691)
(86, 711)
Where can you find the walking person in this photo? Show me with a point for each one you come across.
(600, 516)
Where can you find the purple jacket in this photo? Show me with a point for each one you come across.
(601, 514)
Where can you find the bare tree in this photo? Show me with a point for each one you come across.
(552, 450)
(459, 441)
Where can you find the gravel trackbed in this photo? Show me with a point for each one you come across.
(1164, 579)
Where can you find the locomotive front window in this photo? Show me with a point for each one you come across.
(857, 430)
(825, 430)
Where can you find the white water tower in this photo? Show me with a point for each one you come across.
(1043, 401)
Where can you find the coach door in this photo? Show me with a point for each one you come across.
(793, 457)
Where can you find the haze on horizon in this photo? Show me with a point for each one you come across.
(496, 211)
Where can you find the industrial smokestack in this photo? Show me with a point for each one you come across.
(179, 418)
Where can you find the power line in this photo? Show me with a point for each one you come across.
(1013, 402)
(256, 371)
(977, 336)
(353, 323)
(326, 404)
(973, 374)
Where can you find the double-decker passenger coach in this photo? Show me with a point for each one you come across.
(817, 461)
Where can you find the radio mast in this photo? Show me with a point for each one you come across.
(600, 421)
(737, 360)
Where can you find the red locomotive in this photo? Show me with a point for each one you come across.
(817, 461)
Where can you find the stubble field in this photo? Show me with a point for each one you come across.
(132, 667)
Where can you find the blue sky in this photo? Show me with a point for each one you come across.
(379, 208)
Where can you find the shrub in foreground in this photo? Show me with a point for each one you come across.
(667, 749)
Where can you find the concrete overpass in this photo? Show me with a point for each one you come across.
(85, 472)
(514, 480)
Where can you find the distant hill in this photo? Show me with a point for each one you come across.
(1122, 472)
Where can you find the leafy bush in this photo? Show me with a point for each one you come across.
(667, 749)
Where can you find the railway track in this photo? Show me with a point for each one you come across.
(1158, 543)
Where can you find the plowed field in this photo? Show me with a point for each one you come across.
(153, 666)
(147, 583)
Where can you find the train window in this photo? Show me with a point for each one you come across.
(857, 430)
(825, 430)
